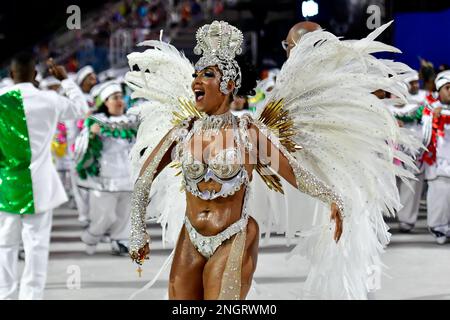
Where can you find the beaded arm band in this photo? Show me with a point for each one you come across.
(306, 181)
(140, 199)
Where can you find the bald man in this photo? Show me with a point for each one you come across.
(296, 32)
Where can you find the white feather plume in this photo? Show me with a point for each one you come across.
(164, 76)
(348, 139)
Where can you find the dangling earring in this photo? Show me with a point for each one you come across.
(223, 87)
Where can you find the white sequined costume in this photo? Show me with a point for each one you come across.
(105, 169)
(339, 140)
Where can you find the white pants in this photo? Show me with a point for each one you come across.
(109, 212)
(438, 204)
(35, 231)
(80, 195)
(410, 199)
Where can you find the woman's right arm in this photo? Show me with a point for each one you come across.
(155, 163)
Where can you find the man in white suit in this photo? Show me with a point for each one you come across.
(30, 187)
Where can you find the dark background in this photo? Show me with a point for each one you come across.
(419, 25)
(25, 23)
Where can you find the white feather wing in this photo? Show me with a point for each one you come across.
(348, 139)
(162, 76)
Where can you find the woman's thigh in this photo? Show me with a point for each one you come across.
(186, 274)
(215, 267)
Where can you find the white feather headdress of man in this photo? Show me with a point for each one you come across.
(219, 43)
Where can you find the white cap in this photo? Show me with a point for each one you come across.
(107, 89)
(411, 76)
(49, 81)
(6, 82)
(83, 73)
(113, 73)
(95, 91)
(442, 79)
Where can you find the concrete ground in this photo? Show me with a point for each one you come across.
(418, 267)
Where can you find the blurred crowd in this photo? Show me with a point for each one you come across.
(138, 20)
(426, 114)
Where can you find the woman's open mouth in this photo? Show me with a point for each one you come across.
(199, 94)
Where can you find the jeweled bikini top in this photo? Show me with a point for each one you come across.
(226, 167)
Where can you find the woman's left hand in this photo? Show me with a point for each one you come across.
(337, 217)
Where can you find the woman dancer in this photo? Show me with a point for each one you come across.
(299, 135)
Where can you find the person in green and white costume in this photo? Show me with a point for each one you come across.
(409, 116)
(30, 187)
(102, 155)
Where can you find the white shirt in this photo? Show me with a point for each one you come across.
(43, 110)
(417, 98)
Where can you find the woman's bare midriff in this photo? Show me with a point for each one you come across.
(210, 217)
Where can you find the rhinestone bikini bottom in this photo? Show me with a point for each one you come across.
(206, 245)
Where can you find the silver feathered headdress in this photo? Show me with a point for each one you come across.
(219, 43)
